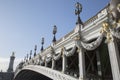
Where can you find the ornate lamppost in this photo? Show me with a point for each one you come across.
(54, 32)
(27, 57)
(35, 50)
(42, 42)
(30, 54)
(78, 10)
(54, 41)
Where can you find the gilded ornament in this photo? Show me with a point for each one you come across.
(109, 38)
(105, 29)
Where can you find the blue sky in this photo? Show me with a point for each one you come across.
(24, 22)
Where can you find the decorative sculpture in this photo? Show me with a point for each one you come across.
(115, 9)
(93, 45)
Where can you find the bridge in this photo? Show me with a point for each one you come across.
(91, 51)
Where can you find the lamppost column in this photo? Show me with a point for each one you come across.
(54, 32)
(42, 42)
(64, 63)
(78, 10)
(54, 42)
(81, 54)
(30, 54)
(114, 59)
(81, 64)
(53, 63)
(45, 62)
(27, 57)
(35, 50)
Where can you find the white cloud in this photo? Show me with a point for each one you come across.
(4, 63)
